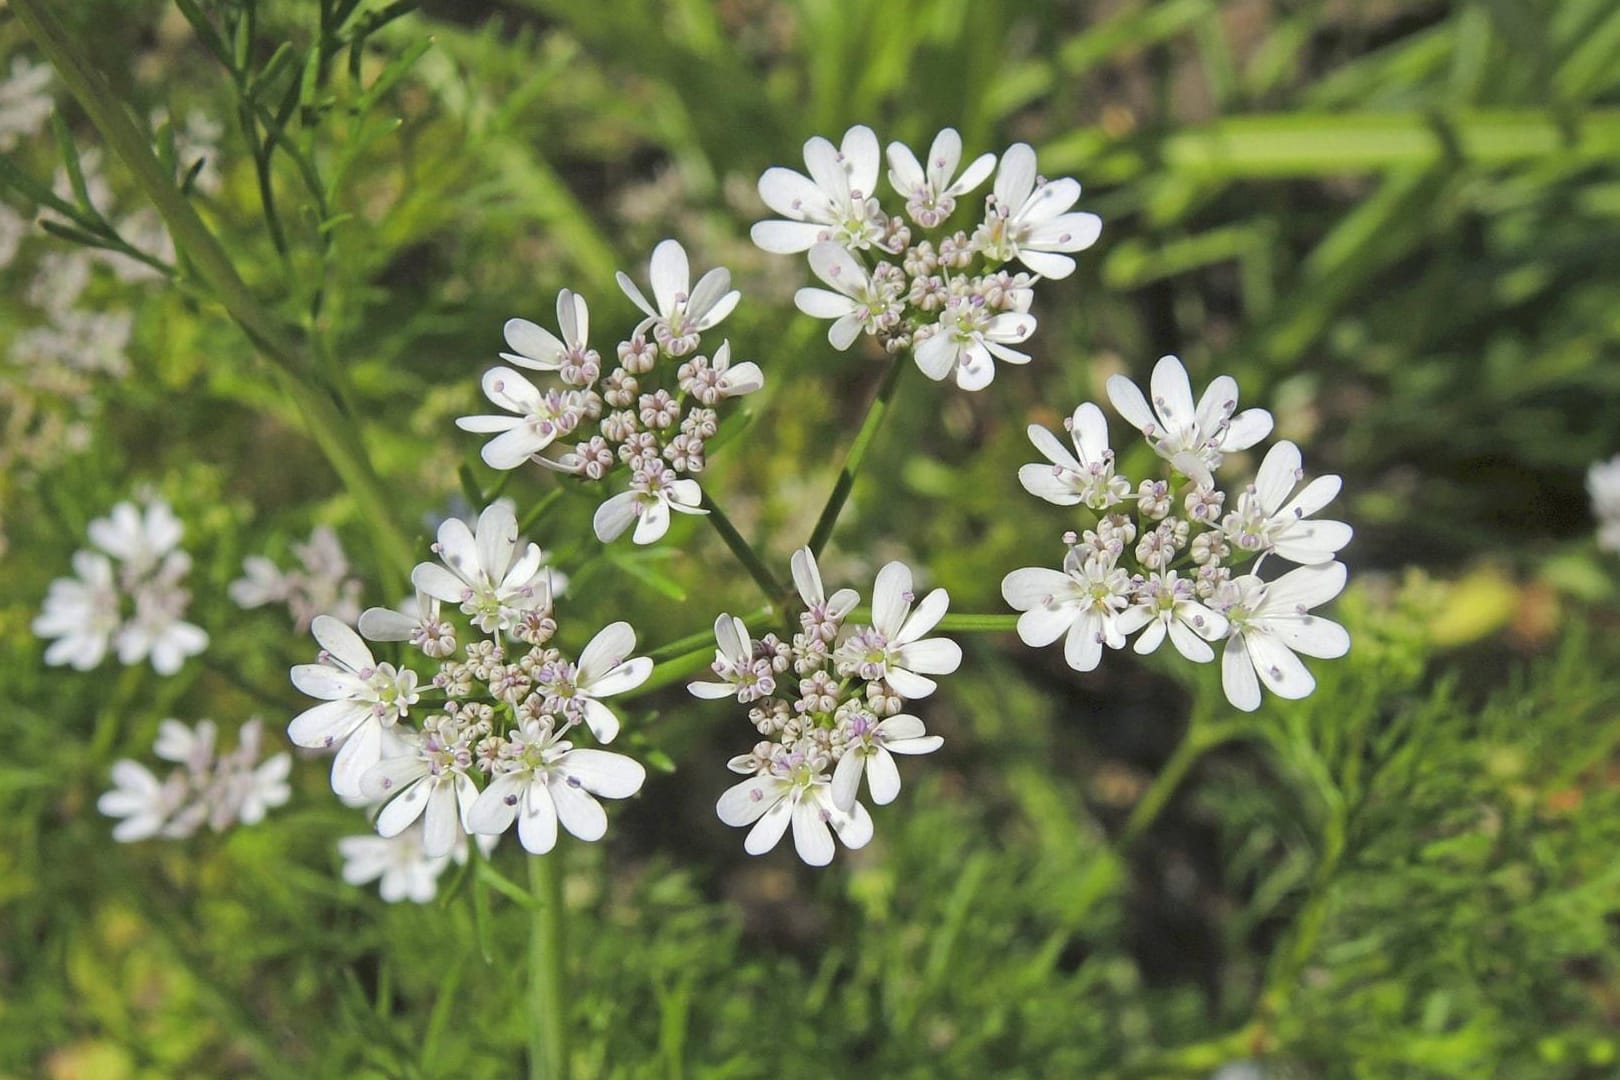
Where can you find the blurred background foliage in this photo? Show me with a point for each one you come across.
(1396, 222)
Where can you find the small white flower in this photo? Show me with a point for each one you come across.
(406, 871)
(653, 493)
(893, 647)
(144, 803)
(137, 539)
(360, 699)
(858, 304)
(252, 787)
(1270, 622)
(25, 102)
(735, 664)
(821, 608)
(931, 194)
(421, 626)
(432, 781)
(1266, 520)
(1027, 219)
(550, 782)
(796, 794)
(870, 752)
(836, 202)
(156, 630)
(1603, 484)
(605, 668)
(81, 613)
(968, 340)
(1193, 438)
(492, 574)
(542, 418)
(1083, 600)
(538, 349)
(683, 311)
(728, 380)
(261, 583)
(1166, 604)
(1086, 476)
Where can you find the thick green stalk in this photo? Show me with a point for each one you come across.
(336, 435)
(967, 622)
(548, 1027)
(857, 453)
(743, 550)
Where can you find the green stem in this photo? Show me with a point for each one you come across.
(548, 1028)
(972, 623)
(1201, 737)
(337, 437)
(857, 453)
(743, 550)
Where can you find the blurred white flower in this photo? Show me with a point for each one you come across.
(81, 612)
(25, 101)
(143, 802)
(1603, 484)
(320, 585)
(209, 787)
(835, 202)
(1027, 219)
(157, 629)
(399, 865)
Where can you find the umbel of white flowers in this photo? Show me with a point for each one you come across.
(829, 705)
(952, 297)
(1174, 556)
(504, 713)
(128, 594)
(207, 786)
(650, 417)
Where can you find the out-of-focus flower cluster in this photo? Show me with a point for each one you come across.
(1177, 556)
(128, 593)
(951, 296)
(829, 707)
(320, 585)
(498, 709)
(649, 415)
(207, 787)
(1603, 484)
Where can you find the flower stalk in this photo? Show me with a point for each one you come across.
(548, 1029)
(857, 454)
(743, 550)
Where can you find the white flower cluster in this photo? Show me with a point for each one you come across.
(26, 102)
(321, 586)
(399, 864)
(649, 419)
(207, 788)
(950, 296)
(1603, 484)
(829, 706)
(497, 743)
(135, 607)
(1161, 557)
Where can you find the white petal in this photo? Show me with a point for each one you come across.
(882, 778)
(909, 684)
(1237, 675)
(385, 624)
(1032, 586)
(811, 836)
(326, 682)
(1189, 644)
(1128, 401)
(1068, 232)
(861, 154)
(931, 656)
(535, 347)
(337, 638)
(1313, 636)
(1277, 476)
(744, 803)
(1305, 587)
(491, 814)
(537, 819)
(1082, 648)
(403, 810)
(361, 750)
(326, 725)
(612, 776)
(654, 523)
(602, 721)
(435, 581)
(1043, 482)
(611, 519)
(1172, 393)
(611, 646)
(576, 810)
(1047, 264)
(793, 195)
(670, 274)
(854, 828)
(1245, 429)
(786, 237)
(929, 610)
(823, 304)
(496, 539)
(846, 780)
(1279, 669)
(767, 831)
(936, 356)
(1016, 178)
(806, 576)
(891, 598)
